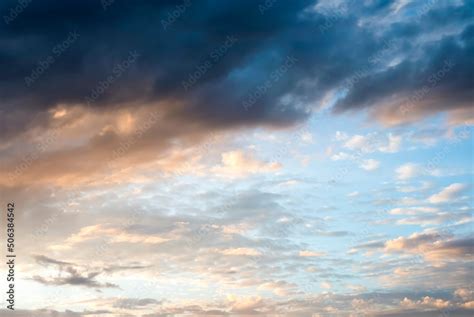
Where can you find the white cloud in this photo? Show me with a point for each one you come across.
(412, 210)
(341, 156)
(113, 235)
(238, 164)
(448, 193)
(240, 251)
(407, 171)
(341, 136)
(359, 143)
(307, 137)
(370, 165)
(307, 253)
(394, 144)
(373, 142)
(426, 301)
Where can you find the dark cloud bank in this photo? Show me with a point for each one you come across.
(205, 59)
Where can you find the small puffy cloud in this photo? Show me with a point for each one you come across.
(280, 288)
(393, 145)
(359, 143)
(341, 136)
(373, 142)
(245, 304)
(407, 171)
(426, 302)
(370, 165)
(448, 193)
(238, 164)
(464, 293)
(307, 137)
(342, 156)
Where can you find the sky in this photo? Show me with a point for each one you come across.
(238, 158)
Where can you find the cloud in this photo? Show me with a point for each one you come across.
(394, 144)
(44, 260)
(248, 305)
(240, 252)
(370, 165)
(238, 164)
(306, 253)
(437, 80)
(114, 235)
(74, 278)
(134, 303)
(412, 210)
(408, 171)
(204, 84)
(78, 275)
(359, 142)
(373, 142)
(432, 245)
(426, 301)
(448, 193)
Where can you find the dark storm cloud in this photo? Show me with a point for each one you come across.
(210, 57)
(55, 53)
(435, 74)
